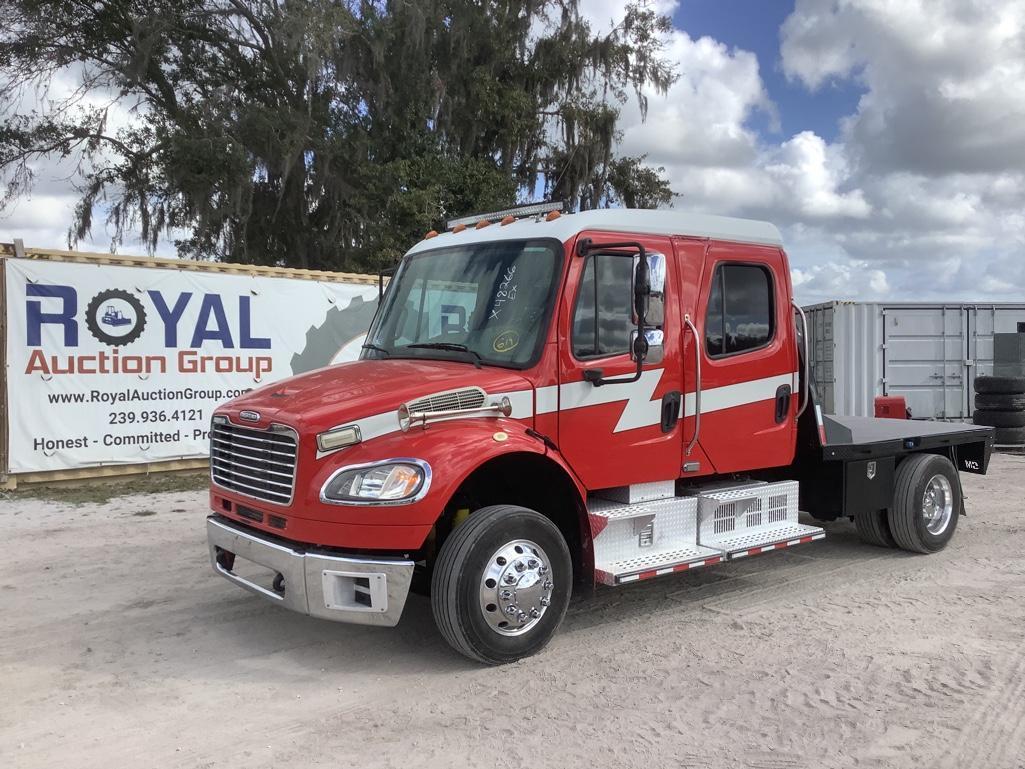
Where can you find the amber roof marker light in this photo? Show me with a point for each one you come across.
(511, 214)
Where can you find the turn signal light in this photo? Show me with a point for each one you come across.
(339, 438)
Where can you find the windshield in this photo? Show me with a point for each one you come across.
(484, 302)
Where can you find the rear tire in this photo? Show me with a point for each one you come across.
(1000, 384)
(477, 559)
(874, 528)
(926, 503)
(1000, 401)
(999, 418)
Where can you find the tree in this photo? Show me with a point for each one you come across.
(322, 133)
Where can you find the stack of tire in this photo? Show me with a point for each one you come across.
(1000, 403)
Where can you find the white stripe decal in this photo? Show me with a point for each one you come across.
(378, 425)
(740, 394)
(522, 402)
(640, 408)
(547, 399)
(638, 411)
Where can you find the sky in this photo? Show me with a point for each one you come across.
(886, 139)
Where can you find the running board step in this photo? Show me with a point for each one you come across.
(646, 539)
(774, 538)
(656, 565)
(715, 523)
(747, 521)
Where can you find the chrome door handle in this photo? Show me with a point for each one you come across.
(697, 385)
(807, 360)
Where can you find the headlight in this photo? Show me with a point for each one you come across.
(392, 482)
(338, 438)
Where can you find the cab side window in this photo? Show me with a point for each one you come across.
(740, 311)
(602, 318)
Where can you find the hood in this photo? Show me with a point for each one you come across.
(331, 396)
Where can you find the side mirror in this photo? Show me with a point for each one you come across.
(650, 298)
(651, 349)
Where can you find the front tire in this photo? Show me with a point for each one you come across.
(501, 584)
(926, 503)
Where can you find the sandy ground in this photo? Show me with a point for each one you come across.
(120, 648)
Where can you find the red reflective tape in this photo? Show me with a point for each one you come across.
(807, 539)
(648, 574)
(598, 524)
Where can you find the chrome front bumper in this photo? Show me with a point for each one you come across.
(356, 590)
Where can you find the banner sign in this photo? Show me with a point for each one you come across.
(111, 364)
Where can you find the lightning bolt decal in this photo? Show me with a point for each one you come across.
(639, 409)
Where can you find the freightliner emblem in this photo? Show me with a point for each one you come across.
(871, 470)
(249, 416)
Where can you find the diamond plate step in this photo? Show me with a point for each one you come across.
(655, 564)
(646, 539)
(622, 531)
(755, 541)
(749, 520)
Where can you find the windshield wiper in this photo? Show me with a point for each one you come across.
(450, 346)
(372, 346)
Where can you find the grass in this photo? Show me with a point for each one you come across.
(103, 490)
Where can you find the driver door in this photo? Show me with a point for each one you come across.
(616, 434)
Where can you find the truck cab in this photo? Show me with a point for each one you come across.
(550, 401)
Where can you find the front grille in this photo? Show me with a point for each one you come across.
(256, 463)
(466, 399)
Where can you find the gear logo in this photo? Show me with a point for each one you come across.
(337, 337)
(115, 317)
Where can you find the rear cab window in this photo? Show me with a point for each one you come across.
(740, 315)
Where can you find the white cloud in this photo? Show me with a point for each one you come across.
(810, 173)
(825, 282)
(43, 217)
(945, 79)
(922, 195)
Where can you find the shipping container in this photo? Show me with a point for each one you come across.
(928, 353)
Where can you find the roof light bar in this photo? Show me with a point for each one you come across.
(530, 209)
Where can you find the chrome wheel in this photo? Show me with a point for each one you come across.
(937, 504)
(516, 588)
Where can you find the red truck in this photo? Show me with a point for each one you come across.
(547, 401)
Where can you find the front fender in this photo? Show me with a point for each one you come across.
(453, 450)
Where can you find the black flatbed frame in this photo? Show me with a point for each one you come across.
(866, 437)
(850, 466)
